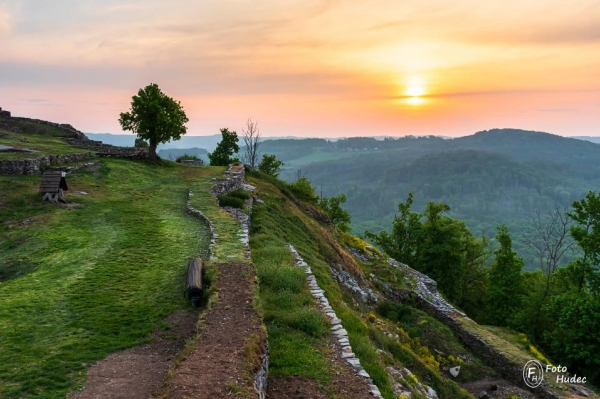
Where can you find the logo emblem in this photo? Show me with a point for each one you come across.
(533, 374)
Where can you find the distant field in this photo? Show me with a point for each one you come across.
(77, 284)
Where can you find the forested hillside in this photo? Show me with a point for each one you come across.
(492, 177)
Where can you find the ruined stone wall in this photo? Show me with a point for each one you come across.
(225, 185)
(103, 149)
(34, 166)
(4, 113)
(433, 303)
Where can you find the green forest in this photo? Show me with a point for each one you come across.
(556, 307)
(501, 176)
(506, 221)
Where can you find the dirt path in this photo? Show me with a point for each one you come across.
(217, 367)
(139, 373)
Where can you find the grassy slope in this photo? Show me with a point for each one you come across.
(46, 143)
(295, 349)
(82, 283)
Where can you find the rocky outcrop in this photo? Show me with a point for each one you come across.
(35, 166)
(345, 279)
(426, 293)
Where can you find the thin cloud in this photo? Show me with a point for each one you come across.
(557, 110)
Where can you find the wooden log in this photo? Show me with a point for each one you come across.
(194, 279)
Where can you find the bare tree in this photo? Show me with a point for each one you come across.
(549, 238)
(252, 141)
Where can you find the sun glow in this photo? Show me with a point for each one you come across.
(414, 92)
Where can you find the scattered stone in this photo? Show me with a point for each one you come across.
(454, 371)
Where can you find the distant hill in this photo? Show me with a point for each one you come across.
(588, 138)
(492, 177)
(207, 142)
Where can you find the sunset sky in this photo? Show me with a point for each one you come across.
(308, 67)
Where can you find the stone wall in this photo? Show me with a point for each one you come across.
(191, 162)
(104, 149)
(4, 113)
(225, 185)
(35, 166)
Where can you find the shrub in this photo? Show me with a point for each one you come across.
(303, 189)
(226, 200)
(270, 165)
(241, 194)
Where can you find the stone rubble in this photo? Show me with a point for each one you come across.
(425, 288)
(366, 295)
(337, 329)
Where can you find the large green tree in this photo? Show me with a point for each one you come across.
(155, 117)
(506, 282)
(441, 247)
(586, 233)
(223, 154)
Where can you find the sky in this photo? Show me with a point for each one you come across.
(315, 68)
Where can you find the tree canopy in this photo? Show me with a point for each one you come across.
(155, 117)
(223, 154)
(270, 165)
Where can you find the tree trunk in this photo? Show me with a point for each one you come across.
(152, 150)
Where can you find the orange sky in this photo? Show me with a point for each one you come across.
(309, 68)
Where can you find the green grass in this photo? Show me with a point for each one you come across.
(85, 282)
(47, 143)
(273, 225)
(297, 330)
(229, 247)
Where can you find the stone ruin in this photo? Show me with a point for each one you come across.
(4, 113)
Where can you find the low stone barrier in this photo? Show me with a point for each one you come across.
(34, 166)
(337, 330)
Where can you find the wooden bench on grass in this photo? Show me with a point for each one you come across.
(53, 186)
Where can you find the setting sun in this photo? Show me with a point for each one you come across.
(415, 90)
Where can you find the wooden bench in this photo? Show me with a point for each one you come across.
(194, 280)
(53, 186)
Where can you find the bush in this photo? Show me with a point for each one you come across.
(226, 200)
(303, 189)
(241, 194)
(270, 165)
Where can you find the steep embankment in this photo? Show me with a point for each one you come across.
(407, 339)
